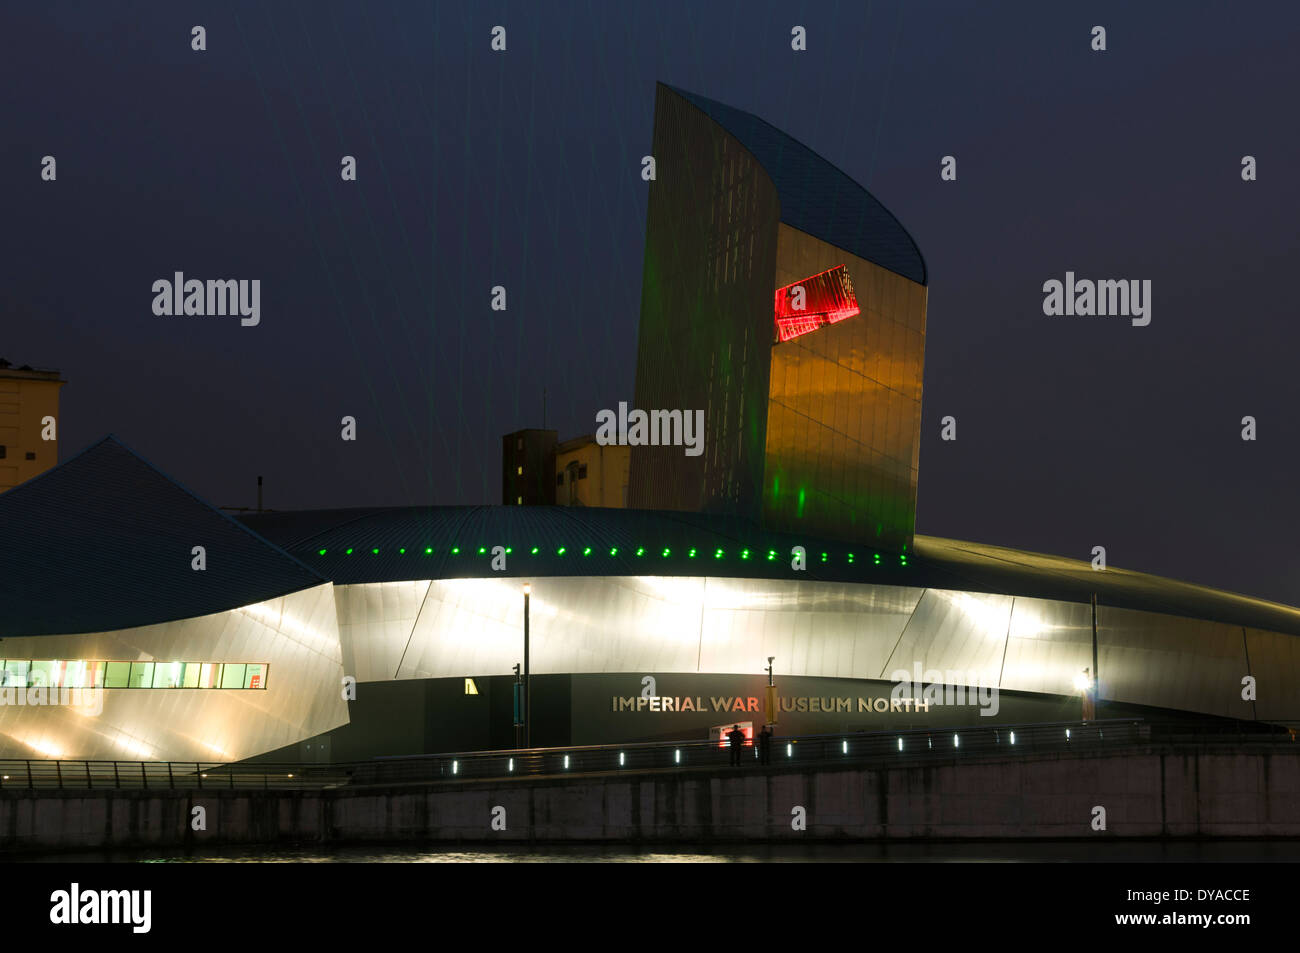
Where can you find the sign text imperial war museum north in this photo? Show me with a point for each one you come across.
(752, 703)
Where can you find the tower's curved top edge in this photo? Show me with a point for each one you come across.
(816, 197)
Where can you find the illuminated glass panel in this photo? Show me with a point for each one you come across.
(118, 675)
(827, 298)
(74, 674)
(15, 673)
(141, 675)
(40, 673)
(80, 673)
(169, 674)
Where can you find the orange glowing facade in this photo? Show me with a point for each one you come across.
(844, 407)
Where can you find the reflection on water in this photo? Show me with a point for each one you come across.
(983, 852)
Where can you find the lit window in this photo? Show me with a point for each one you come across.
(118, 675)
(41, 674)
(14, 673)
(519, 471)
(141, 675)
(519, 500)
(470, 687)
(78, 673)
(169, 674)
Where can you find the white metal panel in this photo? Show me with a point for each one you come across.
(1171, 662)
(963, 633)
(1050, 644)
(1275, 663)
(297, 635)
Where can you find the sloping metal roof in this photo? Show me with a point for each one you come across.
(816, 197)
(103, 541)
(385, 545)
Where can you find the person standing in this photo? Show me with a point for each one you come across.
(765, 745)
(737, 739)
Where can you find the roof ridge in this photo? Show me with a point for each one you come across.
(115, 440)
(202, 502)
(695, 99)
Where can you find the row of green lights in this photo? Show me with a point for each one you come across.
(772, 555)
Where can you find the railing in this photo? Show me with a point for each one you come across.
(857, 748)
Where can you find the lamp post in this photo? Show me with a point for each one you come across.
(528, 681)
(517, 707)
(771, 692)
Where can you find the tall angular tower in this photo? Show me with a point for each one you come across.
(783, 299)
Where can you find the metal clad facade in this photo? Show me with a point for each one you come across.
(844, 409)
(719, 625)
(296, 635)
(706, 314)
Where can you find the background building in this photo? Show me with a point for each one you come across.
(536, 470)
(528, 467)
(588, 474)
(27, 396)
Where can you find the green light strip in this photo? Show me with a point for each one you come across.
(719, 553)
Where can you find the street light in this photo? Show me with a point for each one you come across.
(1084, 683)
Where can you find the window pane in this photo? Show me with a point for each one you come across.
(168, 675)
(255, 676)
(211, 672)
(15, 673)
(141, 675)
(40, 673)
(233, 675)
(191, 676)
(74, 675)
(94, 675)
(118, 674)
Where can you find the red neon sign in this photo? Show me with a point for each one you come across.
(826, 298)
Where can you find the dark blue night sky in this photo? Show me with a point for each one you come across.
(523, 169)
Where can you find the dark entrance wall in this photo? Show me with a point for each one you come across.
(430, 716)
